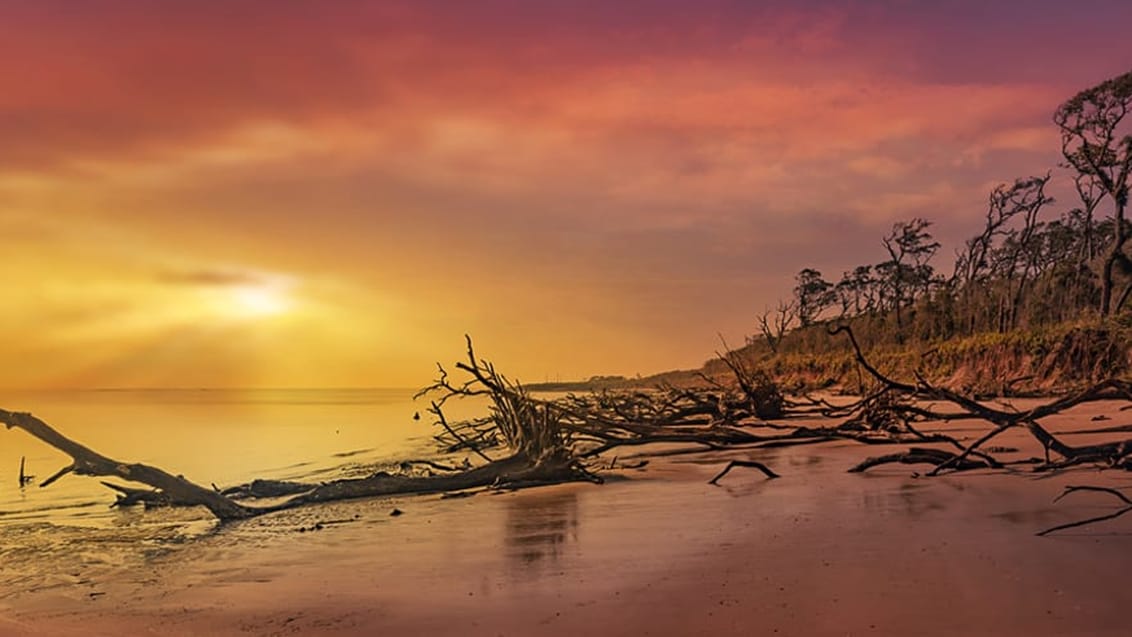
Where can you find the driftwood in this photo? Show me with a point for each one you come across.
(25, 479)
(539, 454)
(919, 455)
(526, 441)
(751, 464)
(129, 496)
(514, 471)
(260, 488)
(90, 463)
(976, 454)
(523, 441)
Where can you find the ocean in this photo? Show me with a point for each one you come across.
(211, 436)
(68, 535)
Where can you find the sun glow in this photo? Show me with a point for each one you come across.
(258, 300)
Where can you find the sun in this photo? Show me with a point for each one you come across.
(258, 300)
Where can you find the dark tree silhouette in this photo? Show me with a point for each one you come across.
(774, 324)
(907, 273)
(812, 295)
(1096, 142)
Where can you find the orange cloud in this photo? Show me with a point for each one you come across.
(573, 183)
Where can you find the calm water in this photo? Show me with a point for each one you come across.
(221, 437)
(67, 535)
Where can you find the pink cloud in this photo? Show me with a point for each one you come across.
(640, 159)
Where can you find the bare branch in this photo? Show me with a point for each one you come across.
(770, 475)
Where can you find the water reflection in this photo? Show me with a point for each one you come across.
(910, 498)
(539, 527)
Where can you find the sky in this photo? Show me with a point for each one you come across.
(302, 194)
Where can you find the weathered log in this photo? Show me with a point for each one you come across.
(260, 488)
(1110, 453)
(511, 472)
(920, 455)
(547, 439)
(128, 496)
(90, 463)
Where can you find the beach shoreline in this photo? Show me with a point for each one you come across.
(660, 552)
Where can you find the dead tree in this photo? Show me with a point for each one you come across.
(774, 327)
(761, 392)
(976, 454)
(527, 441)
(540, 453)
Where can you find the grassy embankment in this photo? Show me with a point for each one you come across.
(1041, 360)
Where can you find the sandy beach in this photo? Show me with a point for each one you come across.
(656, 552)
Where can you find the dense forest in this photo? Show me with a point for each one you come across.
(1034, 268)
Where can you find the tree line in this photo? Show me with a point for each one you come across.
(1027, 267)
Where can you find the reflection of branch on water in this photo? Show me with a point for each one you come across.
(913, 500)
(1100, 518)
(539, 526)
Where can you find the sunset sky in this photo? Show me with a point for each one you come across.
(310, 194)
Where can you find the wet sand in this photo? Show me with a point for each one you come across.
(817, 552)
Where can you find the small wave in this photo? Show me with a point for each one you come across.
(14, 514)
(348, 454)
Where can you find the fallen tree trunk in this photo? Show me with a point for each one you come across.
(89, 463)
(547, 441)
(920, 455)
(541, 453)
(514, 471)
(511, 472)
